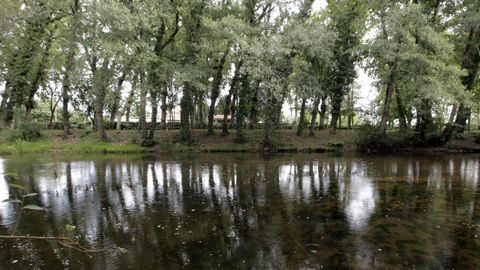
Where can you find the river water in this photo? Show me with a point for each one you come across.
(243, 211)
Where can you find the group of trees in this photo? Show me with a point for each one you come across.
(110, 59)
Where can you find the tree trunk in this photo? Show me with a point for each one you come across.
(201, 117)
(323, 112)
(127, 117)
(336, 106)
(426, 119)
(164, 107)
(301, 121)
(350, 109)
(39, 75)
(313, 122)
(470, 62)
(142, 118)
(66, 86)
(233, 109)
(269, 125)
(388, 100)
(217, 82)
(69, 65)
(153, 122)
(401, 112)
(253, 117)
(3, 106)
(100, 78)
(192, 37)
(117, 96)
(186, 105)
(127, 105)
(242, 112)
(278, 108)
(228, 99)
(453, 113)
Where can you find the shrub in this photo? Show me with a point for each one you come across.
(335, 145)
(24, 131)
(369, 141)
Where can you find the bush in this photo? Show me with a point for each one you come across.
(369, 141)
(335, 145)
(25, 132)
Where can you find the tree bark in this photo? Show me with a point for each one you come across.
(66, 88)
(217, 82)
(244, 98)
(301, 121)
(470, 62)
(164, 107)
(69, 65)
(253, 116)
(388, 100)
(401, 112)
(5, 101)
(323, 112)
(313, 122)
(117, 96)
(228, 99)
(336, 106)
(142, 118)
(153, 122)
(39, 75)
(100, 78)
(186, 105)
(127, 105)
(189, 90)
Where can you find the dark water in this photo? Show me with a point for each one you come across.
(246, 212)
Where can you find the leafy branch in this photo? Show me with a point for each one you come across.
(63, 240)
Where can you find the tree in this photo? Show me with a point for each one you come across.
(412, 59)
(347, 20)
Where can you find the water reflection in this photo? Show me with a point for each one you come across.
(244, 212)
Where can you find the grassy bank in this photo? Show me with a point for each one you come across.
(78, 142)
(125, 141)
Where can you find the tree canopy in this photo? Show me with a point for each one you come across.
(239, 64)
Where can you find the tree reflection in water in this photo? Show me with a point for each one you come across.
(244, 212)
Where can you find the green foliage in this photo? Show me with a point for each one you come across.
(33, 207)
(70, 228)
(22, 190)
(335, 145)
(369, 141)
(92, 53)
(24, 131)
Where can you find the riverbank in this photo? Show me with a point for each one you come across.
(125, 141)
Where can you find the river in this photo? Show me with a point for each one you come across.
(244, 211)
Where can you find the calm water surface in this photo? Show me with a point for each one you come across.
(246, 212)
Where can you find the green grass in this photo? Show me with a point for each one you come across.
(40, 146)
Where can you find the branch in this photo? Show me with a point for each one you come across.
(175, 32)
(65, 241)
(266, 10)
